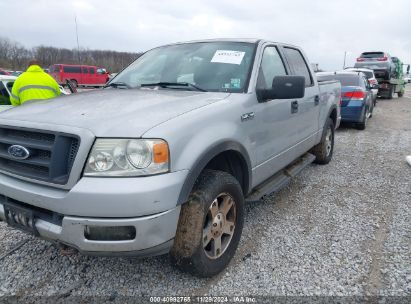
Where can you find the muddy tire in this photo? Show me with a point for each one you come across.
(210, 225)
(323, 152)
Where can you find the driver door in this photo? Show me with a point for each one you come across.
(275, 127)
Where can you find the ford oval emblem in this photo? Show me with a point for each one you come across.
(18, 152)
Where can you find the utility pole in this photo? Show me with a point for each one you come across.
(78, 45)
(345, 56)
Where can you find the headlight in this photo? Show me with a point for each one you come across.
(127, 157)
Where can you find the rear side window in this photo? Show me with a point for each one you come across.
(71, 69)
(372, 55)
(298, 65)
(271, 66)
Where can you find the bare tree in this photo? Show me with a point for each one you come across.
(15, 56)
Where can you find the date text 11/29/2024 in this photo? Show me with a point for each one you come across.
(203, 299)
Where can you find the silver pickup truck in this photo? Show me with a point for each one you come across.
(163, 158)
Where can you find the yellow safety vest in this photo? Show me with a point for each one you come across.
(34, 84)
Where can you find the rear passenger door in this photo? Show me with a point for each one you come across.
(308, 106)
(92, 76)
(84, 75)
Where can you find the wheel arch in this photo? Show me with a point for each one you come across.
(238, 163)
(333, 114)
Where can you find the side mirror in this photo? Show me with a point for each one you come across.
(284, 87)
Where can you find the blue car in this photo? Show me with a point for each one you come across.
(356, 96)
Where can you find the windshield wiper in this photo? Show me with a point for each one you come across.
(117, 84)
(173, 84)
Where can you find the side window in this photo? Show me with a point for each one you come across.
(72, 69)
(4, 95)
(298, 65)
(365, 83)
(84, 70)
(271, 66)
(92, 71)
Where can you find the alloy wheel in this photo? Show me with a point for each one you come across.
(219, 226)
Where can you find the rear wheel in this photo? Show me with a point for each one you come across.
(74, 83)
(362, 125)
(372, 109)
(323, 152)
(391, 92)
(210, 225)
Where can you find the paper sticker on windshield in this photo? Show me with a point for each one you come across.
(235, 83)
(225, 56)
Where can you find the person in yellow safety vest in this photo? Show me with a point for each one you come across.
(34, 84)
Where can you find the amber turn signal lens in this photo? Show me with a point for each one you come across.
(160, 152)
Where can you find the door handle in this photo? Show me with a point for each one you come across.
(316, 100)
(294, 106)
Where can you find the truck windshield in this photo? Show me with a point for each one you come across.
(206, 66)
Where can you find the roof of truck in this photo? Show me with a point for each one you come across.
(246, 40)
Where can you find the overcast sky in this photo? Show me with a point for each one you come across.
(323, 28)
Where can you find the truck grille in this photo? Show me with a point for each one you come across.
(51, 154)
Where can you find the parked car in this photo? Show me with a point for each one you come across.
(16, 73)
(79, 75)
(407, 78)
(357, 99)
(153, 164)
(380, 62)
(371, 80)
(4, 72)
(6, 84)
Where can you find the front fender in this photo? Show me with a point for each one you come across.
(206, 157)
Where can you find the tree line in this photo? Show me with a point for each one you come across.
(14, 56)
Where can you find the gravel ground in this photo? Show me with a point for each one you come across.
(343, 229)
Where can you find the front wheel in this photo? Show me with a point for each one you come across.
(323, 152)
(210, 225)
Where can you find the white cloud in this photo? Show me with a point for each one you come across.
(323, 28)
(82, 5)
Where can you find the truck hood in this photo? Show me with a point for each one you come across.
(112, 112)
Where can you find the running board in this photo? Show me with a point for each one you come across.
(280, 179)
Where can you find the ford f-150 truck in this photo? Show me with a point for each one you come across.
(163, 158)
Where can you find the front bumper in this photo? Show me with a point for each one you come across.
(101, 196)
(154, 233)
(149, 204)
